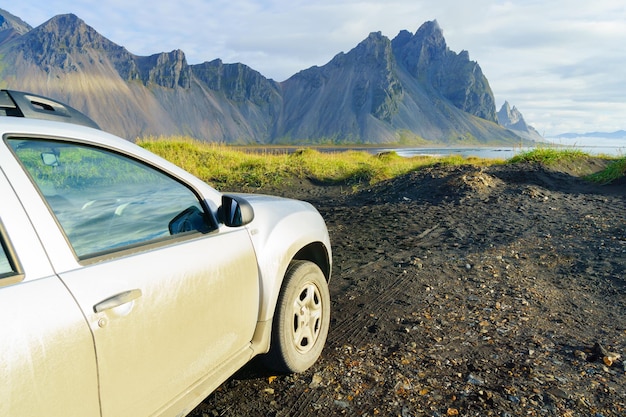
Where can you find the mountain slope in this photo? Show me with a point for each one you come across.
(412, 89)
(353, 98)
(11, 27)
(386, 91)
(427, 58)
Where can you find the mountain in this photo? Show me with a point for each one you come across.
(619, 134)
(512, 119)
(411, 89)
(385, 89)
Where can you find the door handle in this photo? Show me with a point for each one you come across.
(117, 300)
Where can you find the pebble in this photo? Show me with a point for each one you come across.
(316, 381)
(342, 404)
(474, 380)
(559, 393)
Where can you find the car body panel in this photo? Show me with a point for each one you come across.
(188, 317)
(47, 355)
(48, 360)
(276, 218)
(34, 263)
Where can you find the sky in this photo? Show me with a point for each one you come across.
(562, 63)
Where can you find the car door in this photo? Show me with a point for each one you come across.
(47, 356)
(169, 295)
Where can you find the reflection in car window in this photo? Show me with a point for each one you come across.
(105, 201)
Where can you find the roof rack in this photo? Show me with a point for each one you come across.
(20, 104)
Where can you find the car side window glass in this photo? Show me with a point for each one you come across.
(105, 201)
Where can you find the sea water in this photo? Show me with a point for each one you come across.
(615, 149)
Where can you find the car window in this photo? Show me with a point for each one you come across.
(105, 201)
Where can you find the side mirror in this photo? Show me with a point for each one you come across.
(50, 159)
(235, 211)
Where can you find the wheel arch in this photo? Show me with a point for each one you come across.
(317, 253)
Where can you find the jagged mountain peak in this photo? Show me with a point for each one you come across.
(426, 56)
(373, 50)
(374, 38)
(417, 51)
(61, 43)
(9, 21)
(70, 31)
(512, 119)
(431, 30)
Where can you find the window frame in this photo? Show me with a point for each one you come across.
(17, 273)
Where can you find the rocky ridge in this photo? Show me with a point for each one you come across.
(411, 89)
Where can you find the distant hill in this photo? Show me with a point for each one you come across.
(512, 119)
(412, 90)
(620, 134)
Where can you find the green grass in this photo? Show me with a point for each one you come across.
(229, 167)
(616, 170)
(548, 156)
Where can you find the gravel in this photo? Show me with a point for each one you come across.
(462, 291)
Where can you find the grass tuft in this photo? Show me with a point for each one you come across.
(548, 156)
(615, 170)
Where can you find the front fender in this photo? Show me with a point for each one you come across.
(281, 229)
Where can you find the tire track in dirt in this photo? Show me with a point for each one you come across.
(302, 404)
(354, 329)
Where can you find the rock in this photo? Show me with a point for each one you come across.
(316, 381)
(559, 393)
(610, 358)
(342, 404)
(474, 380)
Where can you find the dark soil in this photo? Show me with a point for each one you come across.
(466, 291)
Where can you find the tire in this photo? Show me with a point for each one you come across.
(301, 320)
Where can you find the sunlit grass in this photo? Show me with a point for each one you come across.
(228, 167)
(548, 156)
(616, 170)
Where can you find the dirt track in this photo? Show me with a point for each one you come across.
(463, 291)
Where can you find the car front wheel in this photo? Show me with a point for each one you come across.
(301, 319)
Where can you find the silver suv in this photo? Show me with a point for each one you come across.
(128, 287)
